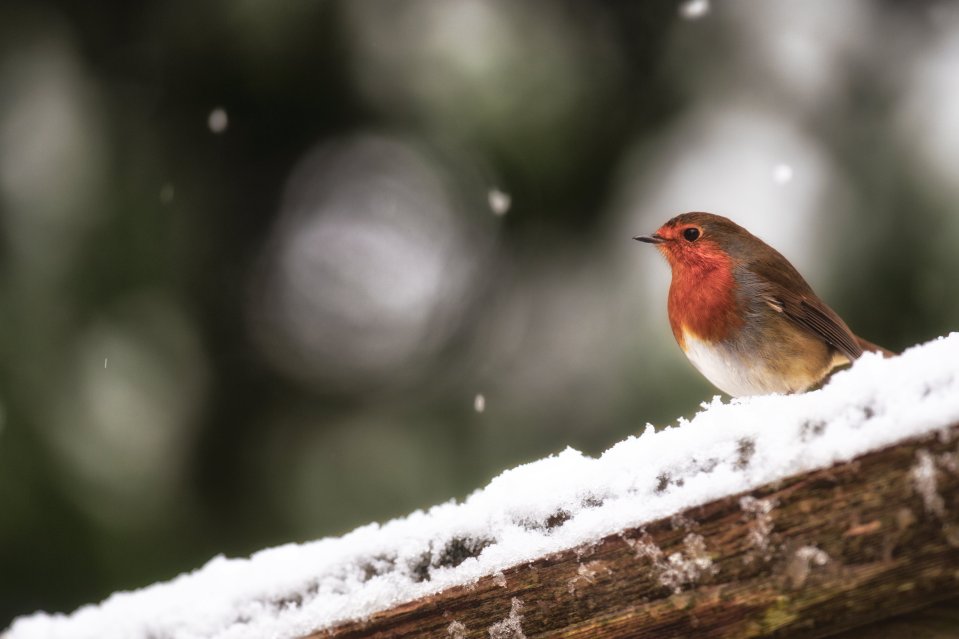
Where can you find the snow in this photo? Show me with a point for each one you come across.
(587, 574)
(456, 630)
(761, 524)
(802, 563)
(512, 626)
(499, 201)
(925, 482)
(680, 568)
(564, 501)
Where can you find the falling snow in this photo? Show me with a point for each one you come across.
(479, 403)
(218, 121)
(782, 174)
(499, 202)
(565, 501)
(694, 9)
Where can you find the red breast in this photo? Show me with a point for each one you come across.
(702, 294)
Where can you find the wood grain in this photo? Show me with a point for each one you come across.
(938, 621)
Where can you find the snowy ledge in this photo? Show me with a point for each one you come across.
(758, 515)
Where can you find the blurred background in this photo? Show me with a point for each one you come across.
(272, 269)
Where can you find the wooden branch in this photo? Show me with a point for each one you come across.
(808, 556)
(938, 621)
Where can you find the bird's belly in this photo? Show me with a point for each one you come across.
(737, 373)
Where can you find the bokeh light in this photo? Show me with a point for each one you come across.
(368, 267)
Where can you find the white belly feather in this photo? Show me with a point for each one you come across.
(727, 372)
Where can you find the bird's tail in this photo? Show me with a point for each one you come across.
(874, 348)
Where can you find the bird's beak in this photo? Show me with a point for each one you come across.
(650, 239)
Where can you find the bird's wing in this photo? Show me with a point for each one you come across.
(815, 316)
(782, 287)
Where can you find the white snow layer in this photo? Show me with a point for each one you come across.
(543, 507)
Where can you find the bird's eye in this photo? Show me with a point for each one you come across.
(691, 234)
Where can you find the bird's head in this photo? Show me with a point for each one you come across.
(699, 241)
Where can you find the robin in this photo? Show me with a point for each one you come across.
(743, 315)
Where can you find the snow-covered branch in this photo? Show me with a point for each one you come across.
(823, 510)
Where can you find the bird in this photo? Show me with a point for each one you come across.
(744, 316)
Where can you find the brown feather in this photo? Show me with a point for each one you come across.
(792, 294)
(815, 316)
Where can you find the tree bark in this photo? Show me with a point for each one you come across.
(807, 556)
(938, 621)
